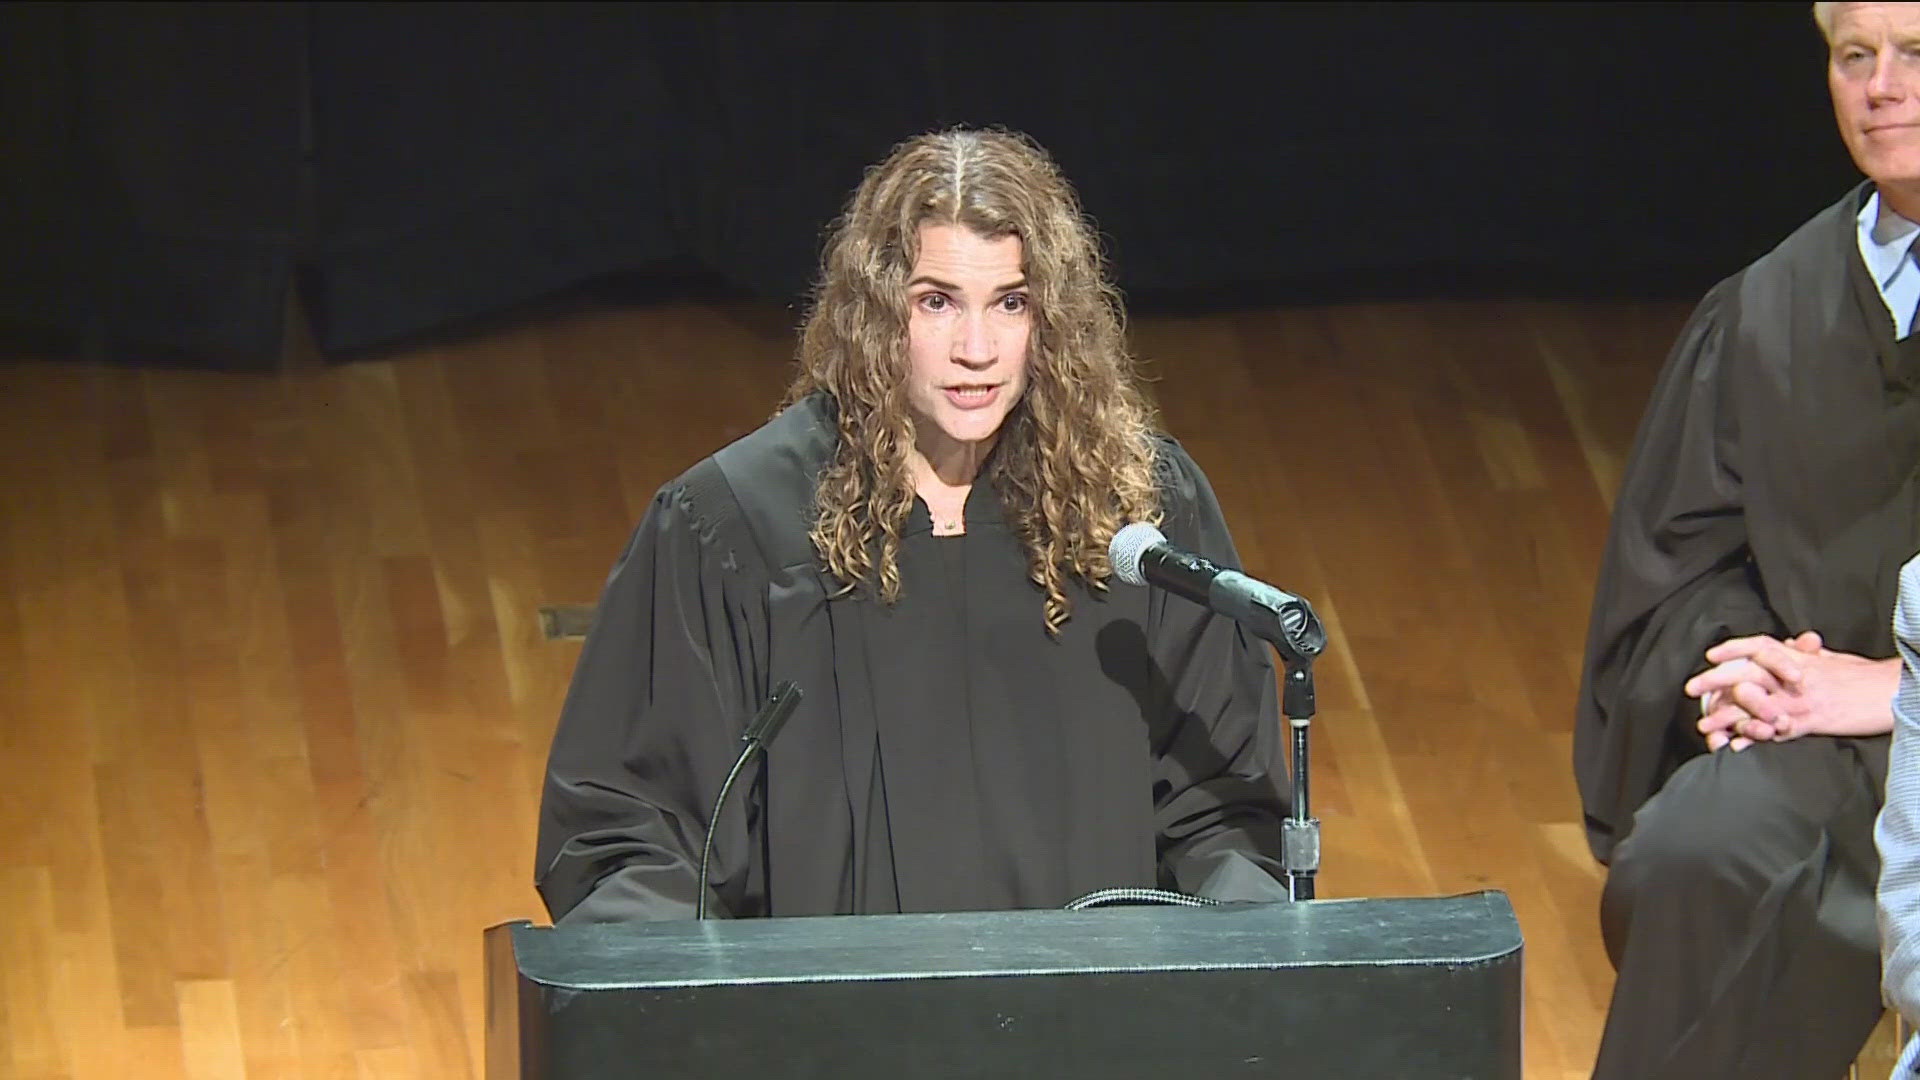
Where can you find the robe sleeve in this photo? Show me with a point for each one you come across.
(1216, 792)
(1676, 578)
(652, 722)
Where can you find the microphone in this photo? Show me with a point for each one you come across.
(1141, 555)
(758, 736)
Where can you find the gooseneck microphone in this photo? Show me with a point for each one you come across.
(1142, 555)
(758, 736)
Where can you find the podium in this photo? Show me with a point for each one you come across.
(1422, 987)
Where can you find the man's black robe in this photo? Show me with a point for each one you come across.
(948, 754)
(1772, 489)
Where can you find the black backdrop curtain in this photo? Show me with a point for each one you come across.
(170, 171)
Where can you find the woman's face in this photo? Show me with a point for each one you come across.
(969, 317)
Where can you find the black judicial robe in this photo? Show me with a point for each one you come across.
(1771, 489)
(948, 753)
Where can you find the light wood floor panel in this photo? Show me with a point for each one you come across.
(274, 697)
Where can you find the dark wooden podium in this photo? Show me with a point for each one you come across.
(1425, 987)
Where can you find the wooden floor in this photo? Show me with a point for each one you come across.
(274, 699)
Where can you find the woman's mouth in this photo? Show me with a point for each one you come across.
(972, 397)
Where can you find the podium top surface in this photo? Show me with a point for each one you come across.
(1477, 928)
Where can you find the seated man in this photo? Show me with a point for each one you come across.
(919, 542)
(1771, 498)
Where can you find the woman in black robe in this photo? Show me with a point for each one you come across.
(918, 542)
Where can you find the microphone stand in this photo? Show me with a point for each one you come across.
(1141, 555)
(1300, 831)
(1295, 633)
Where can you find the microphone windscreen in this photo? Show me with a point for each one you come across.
(1129, 544)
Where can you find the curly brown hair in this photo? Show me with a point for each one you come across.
(1074, 460)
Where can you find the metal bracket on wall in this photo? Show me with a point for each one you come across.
(561, 621)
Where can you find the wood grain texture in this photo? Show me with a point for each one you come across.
(276, 698)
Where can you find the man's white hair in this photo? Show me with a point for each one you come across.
(1823, 17)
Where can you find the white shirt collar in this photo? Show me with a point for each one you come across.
(1886, 238)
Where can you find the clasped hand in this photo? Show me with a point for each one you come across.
(1762, 689)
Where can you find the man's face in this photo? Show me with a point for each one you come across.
(968, 318)
(1873, 71)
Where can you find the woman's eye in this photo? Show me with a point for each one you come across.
(934, 302)
(1013, 303)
